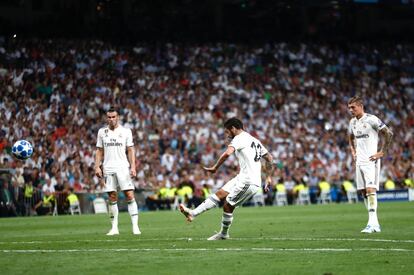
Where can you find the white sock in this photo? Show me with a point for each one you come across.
(372, 209)
(209, 203)
(113, 206)
(133, 212)
(226, 221)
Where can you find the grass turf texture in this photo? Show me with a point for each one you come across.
(316, 239)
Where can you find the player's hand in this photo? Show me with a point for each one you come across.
(98, 172)
(268, 184)
(376, 156)
(133, 172)
(210, 169)
(102, 183)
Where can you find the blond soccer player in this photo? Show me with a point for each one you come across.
(364, 130)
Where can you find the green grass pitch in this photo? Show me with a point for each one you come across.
(316, 239)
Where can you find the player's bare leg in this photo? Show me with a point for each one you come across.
(113, 207)
(133, 211)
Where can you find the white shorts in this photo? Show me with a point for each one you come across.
(239, 191)
(367, 175)
(120, 178)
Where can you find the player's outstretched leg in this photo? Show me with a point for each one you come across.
(209, 203)
(113, 206)
(133, 212)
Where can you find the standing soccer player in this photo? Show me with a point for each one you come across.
(363, 140)
(248, 151)
(116, 147)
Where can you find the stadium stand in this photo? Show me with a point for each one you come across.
(176, 96)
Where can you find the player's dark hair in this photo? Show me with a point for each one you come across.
(233, 122)
(356, 99)
(111, 110)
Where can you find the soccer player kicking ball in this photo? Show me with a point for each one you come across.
(363, 140)
(116, 147)
(249, 151)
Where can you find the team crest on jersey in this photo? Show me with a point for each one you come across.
(106, 132)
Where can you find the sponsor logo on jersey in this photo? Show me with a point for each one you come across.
(112, 143)
(362, 136)
(107, 144)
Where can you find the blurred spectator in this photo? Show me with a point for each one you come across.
(389, 185)
(409, 183)
(18, 178)
(45, 204)
(30, 196)
(300, 186)
(71, 200)
(18, 198)
(48, 187)
(7, 206)
(346, 187)
(324, 186)
(280, 186)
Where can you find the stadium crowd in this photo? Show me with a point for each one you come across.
(176, 96)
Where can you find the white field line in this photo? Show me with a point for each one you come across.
(203, 239)
(261, 249)
(331, 239)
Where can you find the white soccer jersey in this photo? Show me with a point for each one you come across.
(114, 143)
(249, 150)
(365, 131)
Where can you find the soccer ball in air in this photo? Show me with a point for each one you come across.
(22, 149)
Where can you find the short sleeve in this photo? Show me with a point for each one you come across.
(263, 150)
(237, 143)
(99, 141)
(350, 128)
(129, 140)
(376, 123)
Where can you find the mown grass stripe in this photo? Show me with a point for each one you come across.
(233, 249)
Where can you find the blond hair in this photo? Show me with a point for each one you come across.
(356, 99)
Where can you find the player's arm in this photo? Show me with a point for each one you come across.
(387, 135)
(351, 140)
(131, 159)
(269, 169)
(230, 150)
(98, 159)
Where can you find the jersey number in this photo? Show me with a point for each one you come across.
(258, 150)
